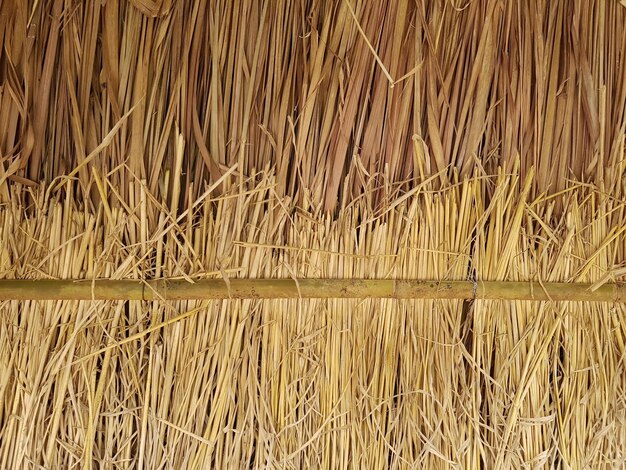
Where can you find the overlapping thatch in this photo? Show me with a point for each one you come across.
(347, 139)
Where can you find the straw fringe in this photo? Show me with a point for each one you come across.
(317, 382)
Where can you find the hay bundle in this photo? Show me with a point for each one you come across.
(354, 140)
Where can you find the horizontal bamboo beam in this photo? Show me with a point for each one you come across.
(168, 289)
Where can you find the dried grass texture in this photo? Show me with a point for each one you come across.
(305, 88)
(316, 383)
(238, 139)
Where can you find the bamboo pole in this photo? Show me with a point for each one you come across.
(168, 289)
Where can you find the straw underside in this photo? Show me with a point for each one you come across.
(318, 382)
(437, 141)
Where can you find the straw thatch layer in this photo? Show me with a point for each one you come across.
(354, 139)
(313, 89)
(366, 383)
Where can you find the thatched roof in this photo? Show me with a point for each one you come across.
(162, 143)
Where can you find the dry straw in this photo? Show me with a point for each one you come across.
(315, 145)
